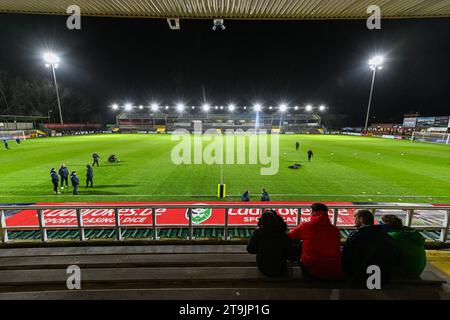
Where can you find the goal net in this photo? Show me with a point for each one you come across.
(13, 135)
(436, 137)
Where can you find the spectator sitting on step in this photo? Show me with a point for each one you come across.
(411, 244)
(271, 244)
(320, 250)
(369, 245)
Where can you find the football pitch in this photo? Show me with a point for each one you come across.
(344, 168)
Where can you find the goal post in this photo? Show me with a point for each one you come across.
(12, 135)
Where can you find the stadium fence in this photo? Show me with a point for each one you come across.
(443, 229)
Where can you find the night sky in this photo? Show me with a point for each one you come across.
(299, 62)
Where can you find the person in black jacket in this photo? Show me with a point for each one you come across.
(75, 182)
(55, 179)
(64, 174)
(245, 196)
(89, 176)
(265, 195)
(95, 158)
(271, 244)
(369, 245)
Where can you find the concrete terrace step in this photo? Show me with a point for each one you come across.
(222, 294)
(128, 260)
(129, 249)
(175, 272)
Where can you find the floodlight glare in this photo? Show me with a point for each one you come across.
(309, 107)
(376, 62)
(115, 106)
(206, 107)
(283, 107)
(167, 107)
(154, 107)
(231, 107)
(257, 107)
(322, 108)
(296, 107)
(51, 59)
(141, 107)
(128, 107)
(180, 107)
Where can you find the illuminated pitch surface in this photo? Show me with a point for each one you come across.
(343, 168)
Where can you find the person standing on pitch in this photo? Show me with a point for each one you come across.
(297, 146)
(245, 197)
(64, 174)
(75, 182)
(95, 157)
(310, 155)
(18, 140)
(265, 195)
(55, 179)
(6, 144)
(89, 176)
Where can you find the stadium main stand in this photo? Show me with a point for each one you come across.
(143, 121)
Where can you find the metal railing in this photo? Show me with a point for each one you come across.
(118, 226)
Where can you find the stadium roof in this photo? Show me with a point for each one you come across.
(235, 9)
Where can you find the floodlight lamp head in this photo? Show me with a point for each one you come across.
(51, 59)
(257, 107)
(376, 62)
(283, 107)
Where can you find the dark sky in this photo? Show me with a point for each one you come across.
(300, 62)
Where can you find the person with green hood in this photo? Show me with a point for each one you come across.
(411, 244)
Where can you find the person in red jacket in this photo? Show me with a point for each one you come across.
(321, 251)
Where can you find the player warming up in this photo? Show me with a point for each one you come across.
(310, 155)
(95, 158)
(6, 144)
(297, 145)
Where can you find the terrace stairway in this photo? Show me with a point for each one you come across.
(176, 272)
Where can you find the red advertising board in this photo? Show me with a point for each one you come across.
(166, 217)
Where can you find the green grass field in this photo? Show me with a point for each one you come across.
(343, 169)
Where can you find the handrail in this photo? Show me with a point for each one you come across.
(231, 205)
(117, 226)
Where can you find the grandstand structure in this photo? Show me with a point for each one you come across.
(222, 270)
(138, 120)
(235, 9)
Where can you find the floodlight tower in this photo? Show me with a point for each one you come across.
(283, 109)
(52, 60)
(257, 108)
(376, 63)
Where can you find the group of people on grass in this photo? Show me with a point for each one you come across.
(63, 175)
(6, 145)
(397, 250)
(264, 196)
